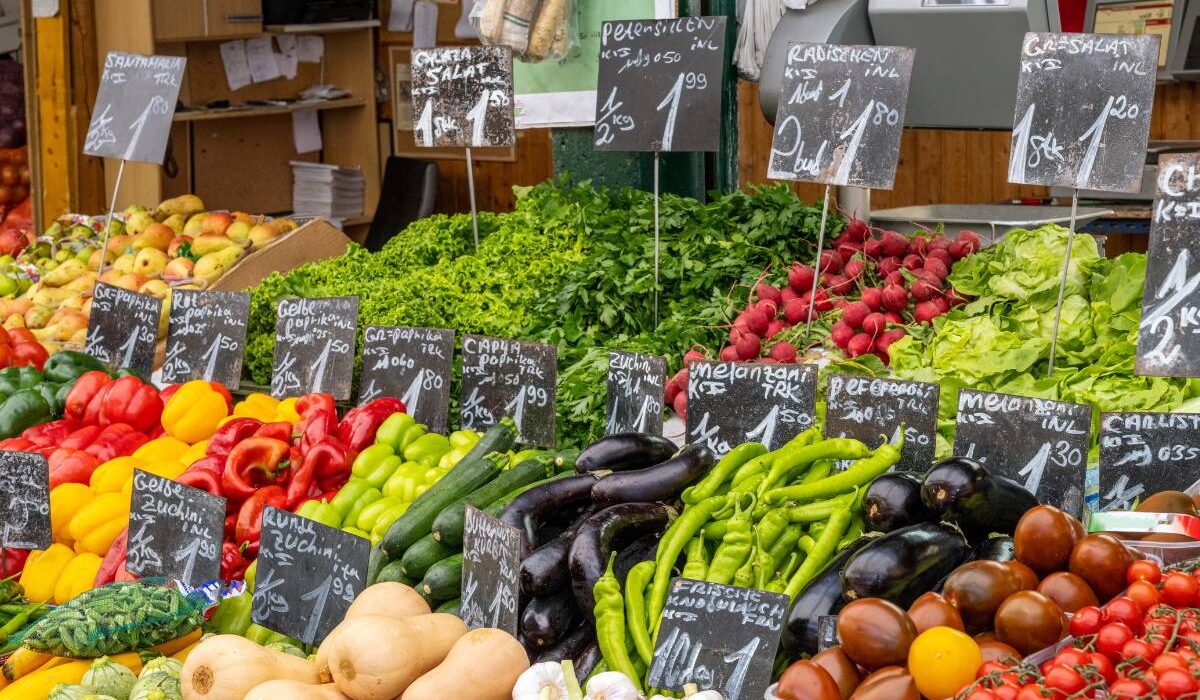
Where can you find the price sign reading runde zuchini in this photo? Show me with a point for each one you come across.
(24, 501)
(314, 347)
(175, 531)
(462, 96)
(1144, 453)
(636, 391)
(135, 106)
(734, 402)
(507, 378)
(123, 328)
(206, 338)
(410, 364)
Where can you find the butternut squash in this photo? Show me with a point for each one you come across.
(483, 664)
(388, 598)
(226, 667)
(375, 657)
(294, 690)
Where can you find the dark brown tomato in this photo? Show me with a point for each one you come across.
(995, 650)
(875, 633)
(1168, 502)
(805, 680)
(977, 589)
(1068, 590)
(932, 610)
(1029, 621)
(1029, 579)
(891, 683)
(840, 668)
(988, 636)
(1043, 539)
(1101, 560)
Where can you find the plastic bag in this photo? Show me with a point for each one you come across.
(535, 30)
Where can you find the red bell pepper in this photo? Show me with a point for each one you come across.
(325, 462)
(69, 466)
(280, 430)
(233, 564)
(230, 525)
(213, 464)
(81, 394)
(357, 429)
(230, 434)
(311, 403)
(202, 479)
(81, 438)
(168, 392)
(116, 440)
(12, 561)
(16, 444)
(131, 401)
(249, 522)
(223, 391)
(114, 560)
(52, 433)
(254, 462)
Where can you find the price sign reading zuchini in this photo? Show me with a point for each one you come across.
(1144, 453)
(1039, 443)
(873, 409)
(175, 531)
(308, 574)
(734, 402)
(24, 501)
(134, 107)
(462, 96)
(491, 564)
(636, 390)
(841, 114)
(509, 378)
(314, 347)
(123, 328)
(413, 365)
(659, 87)
(1083, 110)
(206, 337)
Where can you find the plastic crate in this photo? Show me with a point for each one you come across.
(1165, 553)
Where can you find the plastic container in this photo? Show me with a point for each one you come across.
(1165, 553)
(770, 694)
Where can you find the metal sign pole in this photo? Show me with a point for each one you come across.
(656, 237)
(1062, 285)
(812, 296)
(471, 191)
(108, 224)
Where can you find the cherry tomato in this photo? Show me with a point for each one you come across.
(1144, 593)
(1168, 661)
(1179, 590)
(1031, 691)
(1138, 653)
(982, 694)
(1143, 570)
(1086, 621)
(1066, 680)
(1128, 688)
(1072, 657)
(1103, 666)
(1174, 682)
(1111, 638)
(990, 667)
(1006, 691)
(1123, 609)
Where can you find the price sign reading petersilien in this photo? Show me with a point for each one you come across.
(134, 107)
(841, 114)
(463, 96)
(734, 402)
(410, 364)
(507, 378)
(1144, 453)
(24, 501)
(1083, 110)
(175, 531)
(659, 86)
(874, 409)
(314, 347)
(308, 574)
(636, 391)
(491, 565)
(207, 337)
(123, 328)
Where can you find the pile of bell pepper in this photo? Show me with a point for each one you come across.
(19, 348)
(31, 395)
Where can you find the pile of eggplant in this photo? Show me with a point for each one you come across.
(621, 499)
(918, 530)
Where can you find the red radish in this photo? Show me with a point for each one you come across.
(872, 297)
(768, 361)
(896, 278)
(823, 303)
(796, 310)
(831, 262)
(672, 391)
(748, 346)
(893, 243)
(873, 247)
(938, 243)
(840, 240)
(853, 269)
(769, 308)
(888, 265)
(847, 251)
(857, 230)
(680, 405)
(923, 291)
(918, 245)
(837, 284)
(957, 250)
(884, 342)
(766, 291)
(783, 352)
(681, 378)
(776, 327)
(800, 278)
(840, 334)
(955, 298)
(894, 297)
(874, 324)
(859, 345)
(937, 267)
(940, 254)
(788, 294)
(854, 314)
(925, 312)
(729, 354)
(839, 303)
(913, 261)
(893, 317)
(693, 355)
(970, 240)
(927, 276)
(756, 321)
(941, 303)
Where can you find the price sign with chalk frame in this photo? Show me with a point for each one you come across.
(123, 328)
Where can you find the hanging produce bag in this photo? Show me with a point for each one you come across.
(535, 30)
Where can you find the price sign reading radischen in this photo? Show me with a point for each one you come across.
(134, 107)
(24, 501)
(509, 378)
(873, 409)
(123, 328)
(413, 365)
(491, 564)
(734, 402)
(463, 96)
(1083, 110)
(175, 531)
(308, 574)
(660, 85)
(1039, 443)
(841, 114)
(636, 388)
(721, 637)
(1144, 453)
(314, 347)
(206, 337)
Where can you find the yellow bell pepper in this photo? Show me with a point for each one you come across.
(39, 683)
(102, 509)
(111, 476)
(162, 449)
(65, 501)
(287, 411)
(42, 571)
(100, 538)
(194, 412)
(167, 470)
(260, 406)
(196, 451)
(78, 576)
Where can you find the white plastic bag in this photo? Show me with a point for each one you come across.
(535, 30)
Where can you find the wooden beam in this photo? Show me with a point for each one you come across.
(87, 194)
(29, 59)
(51, 89)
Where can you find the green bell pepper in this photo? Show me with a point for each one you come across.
(384, 470)
(14, 379)
(415, 432)
(392, 429)
(386, 518)
(251, 575)
(367, 498)
(326, 515)
(232, 616)
(427, 449)
(49, 394)
(23, 410)
(464, 438)
(305, 509)
(350, 493)
(368, 459)
(262, 636)
(66, 366)
(370, 515)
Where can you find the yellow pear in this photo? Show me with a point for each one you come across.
(131, 281)
(52, 297)
(87, 308)
(178, 269)
(138, 222)
(208, 243)
(155, 288)
(164, 316)
(188, 286)
(109, 276)
(68, 326)
(65, 273)
(156, 235)
(262, 234)
(239, 231)
(150, 262)
(119, 244)
(133, 209)
(80, 338)
(76, 302)
(185, 204)
(38, 316)
(211, 267)
(14, 321)
(195, 225)
(175, 222)
(124, 263)
(82, 283)
(94, 259)
(216, 222)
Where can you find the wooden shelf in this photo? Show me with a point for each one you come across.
(320, 28)
(234, 112)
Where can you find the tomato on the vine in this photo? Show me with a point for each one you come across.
(1006, 691)
(1169, 660)
(1030, 691)
(1128, 688)
(1111, 638)
(989, 667)
(1138, 653)
(1144, 593)
(1174, 682)
(1179, 590)
(1125, 610)
(981, 694)
(1064, 679)
(1070, 656)
(1103, 666)
(1143, 570)
(1086, 621)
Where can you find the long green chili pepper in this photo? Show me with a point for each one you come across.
(857, 524)
(771, 527)
(695, 565)
(715, 530)
(20, 620)
(635, 608)
(820, 469)
(610, 623)
(821, 553)
(817, 511)
(734, 547)
(806, 543)
(834, 448)
(784, 545)
(707, 487)
(744, 576)
(790, 565)
(671, 545)
(859, 474)
(764, 566)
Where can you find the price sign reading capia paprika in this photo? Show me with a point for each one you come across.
(413, 365)
(24, 501)
(507, 378)
(123, 328)
(314, 347)
(206, 337)
(175, 531)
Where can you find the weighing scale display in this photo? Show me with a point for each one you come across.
(1137, 18)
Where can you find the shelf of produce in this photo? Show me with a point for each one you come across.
(321, 28)
(258, 110)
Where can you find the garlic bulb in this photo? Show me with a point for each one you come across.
(611, 685)
(542, 681)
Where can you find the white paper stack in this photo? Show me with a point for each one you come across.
(332, 191)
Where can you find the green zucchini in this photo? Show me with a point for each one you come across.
(479, 466)
(454, 607)
(375, 564)
(394, 573)
(443, 581)
(425, 553)
(448, 525)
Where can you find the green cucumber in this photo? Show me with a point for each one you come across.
(448, 525)
(425, 553)
(443, 581)
(394, 573)
(375, 564)
(453, 607)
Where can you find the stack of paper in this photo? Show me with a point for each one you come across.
(332, 191)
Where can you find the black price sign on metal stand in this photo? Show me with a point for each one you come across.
(510, 378)
(636, 390)
(134, 107)
(123, 328)
(175, 531)
(413, 365)
(314, 347)
(1144, 453)
(720, 637)
(308, 574)
(25, 501)
(872, 409)
(734, 402)
(491, 567)
(1039, 443)
(1171, 302)
(206, 337)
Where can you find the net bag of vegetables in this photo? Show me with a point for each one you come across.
(535, 30)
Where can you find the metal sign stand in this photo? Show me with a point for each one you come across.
(812, 295)
(656, 237)
(108, 224)
(1062, 285)
(471, 192)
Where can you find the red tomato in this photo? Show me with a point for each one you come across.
(1123, 609)
(982, 694)
(1144, 593)
(1128, 688)
(1031, 692)
(1071, 656)
(1143, 570)
(1086, 621)
(1103, 666)
(1174, 682)
(1168, 661)
(1179, 590)
(1006, 692)
(990, 667)
(1066, 680)
(1138, 653)
(1111, 638)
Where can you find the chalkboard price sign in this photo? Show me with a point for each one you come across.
(134, 107)
(734, 402)
(1144, 453)
(873, 409)
(175, 531)
(510, 378)
(1038, 443)
(123, 328)
(841, 114)
(463, 96)
(314, 347)
(656, 78)
(206, 337)
(491, 565)
(25, 501)
(1083, 110)
(413, 365)
(636, 390)
(308, 574)
(719, 637)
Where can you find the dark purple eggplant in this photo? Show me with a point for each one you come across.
(569, 645)
(822, 596)
(586, 660)
(544, 571)
(630, 555)
(662, 482)
(623, 452)
(1001, 548)
(528, 511)
(893, 501)
(903, 564)
(603, 533)
(545, 620)
(962, 491)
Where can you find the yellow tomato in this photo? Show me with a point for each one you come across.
(942, 660)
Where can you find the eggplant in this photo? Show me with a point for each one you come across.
(544, 620)
(893, 501)
(1001, 548)
(569, 645)
(903, 564)
(641, 549)
(662, 482)
(962, 491)
(529, 510)
(545, 570)
(624, 451)
(586, 661)
(603, 533)
(822, 596)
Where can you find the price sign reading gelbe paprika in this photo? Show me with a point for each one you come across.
(206, 337)
(24, 501)
(506, 378)
(175, 531)
(410, 364)
(314, 347)
(123, 328)
(491, 565)
(308, 574)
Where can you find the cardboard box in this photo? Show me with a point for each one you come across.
(316, 240)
